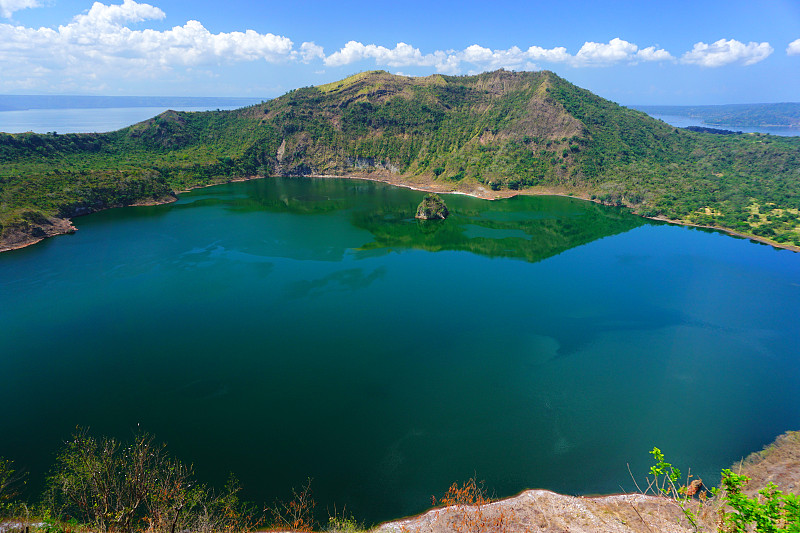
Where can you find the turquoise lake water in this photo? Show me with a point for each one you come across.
(289, 328)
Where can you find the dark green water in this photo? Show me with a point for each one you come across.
(291, 328)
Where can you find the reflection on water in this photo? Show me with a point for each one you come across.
(532, 229)
(290, 328)
(524, 227)
(350, 279)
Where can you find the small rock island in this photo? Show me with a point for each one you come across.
(432, 208)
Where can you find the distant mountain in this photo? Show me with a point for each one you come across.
(21, 102)
(487, 134)
(785, 115)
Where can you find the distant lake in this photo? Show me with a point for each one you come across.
(91, 120)
(680, 121)
(97, 114)
(288, 328)
(56, 114)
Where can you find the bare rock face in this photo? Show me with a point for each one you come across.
(32, 229)
(547, 512)
(432, 208)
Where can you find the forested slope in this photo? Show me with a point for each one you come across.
(495, 131)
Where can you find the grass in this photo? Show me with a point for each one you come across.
(499, 130)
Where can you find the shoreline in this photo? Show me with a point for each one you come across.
(499, 195)
(57, 226)
(64, 226)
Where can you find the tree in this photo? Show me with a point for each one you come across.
(113, 486)
(11, 482)
(116, 487)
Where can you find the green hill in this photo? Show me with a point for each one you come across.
(498, 131)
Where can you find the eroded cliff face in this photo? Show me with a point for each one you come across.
(499, 131)
(26, 233)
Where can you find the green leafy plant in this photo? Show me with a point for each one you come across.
(11, 483)
(771, 511)
(344, 523)
(666, 481)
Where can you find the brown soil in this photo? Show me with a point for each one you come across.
(778, 463)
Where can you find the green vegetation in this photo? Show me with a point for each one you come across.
(498, 130)
(432, 207)
(666, 481)
(769, 511)
(502, 230)
(109, 486)
(11, 483)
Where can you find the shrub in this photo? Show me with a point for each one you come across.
(771, 512)
(11, 482)
(116, 487)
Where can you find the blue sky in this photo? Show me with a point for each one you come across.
(699, 52)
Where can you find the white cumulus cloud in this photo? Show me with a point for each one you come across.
(491, 59)
(725, 52)
(452, 61)
(550, 55)
(401, 55)
(351, 52)
(100, 45)
(310, 51)
(794, 48)
(111, 42)
(7, 7)
(652, 54)
(101, 15)
(614, 51)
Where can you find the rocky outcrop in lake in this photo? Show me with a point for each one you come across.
(432, 207)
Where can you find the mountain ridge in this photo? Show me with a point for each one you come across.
(501, 132)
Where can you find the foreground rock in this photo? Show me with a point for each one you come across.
(432, 208)
(545, 511)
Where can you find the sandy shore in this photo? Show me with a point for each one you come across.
(64, 226)
(488, 194)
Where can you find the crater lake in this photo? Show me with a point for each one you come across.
(291, 328)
